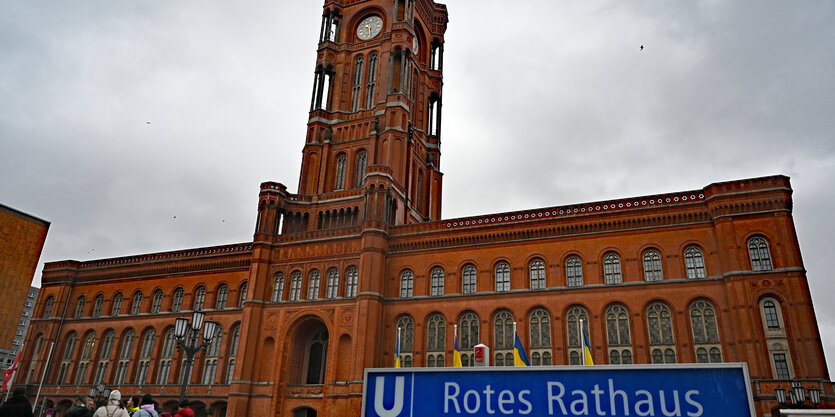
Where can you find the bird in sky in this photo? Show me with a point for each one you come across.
(147, 123)
(642, 48)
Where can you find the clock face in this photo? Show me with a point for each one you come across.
(369, 27)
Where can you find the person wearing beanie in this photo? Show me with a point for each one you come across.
(146, 407)
(114, 407)
(17, 406)
(132, 404)
(185, 410)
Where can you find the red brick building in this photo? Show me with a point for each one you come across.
(21, 241)
(708, 275)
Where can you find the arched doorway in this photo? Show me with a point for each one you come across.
(309, 354)
(304, 412)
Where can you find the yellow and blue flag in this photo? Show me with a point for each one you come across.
(520, 358)
(397, 351)
(456, 354)
(587, 359)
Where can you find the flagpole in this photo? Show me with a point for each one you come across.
(45, 367)
(397, 348)
(582, 342)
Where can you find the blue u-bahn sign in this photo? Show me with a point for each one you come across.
(684, 390)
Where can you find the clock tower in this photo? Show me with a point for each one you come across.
(372, 148)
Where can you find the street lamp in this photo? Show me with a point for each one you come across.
(187, 341)
(98, 392)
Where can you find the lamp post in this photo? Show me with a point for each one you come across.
(796, 397)
(98, 392)
(187, 341)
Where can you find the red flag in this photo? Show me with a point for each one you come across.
(8, 374)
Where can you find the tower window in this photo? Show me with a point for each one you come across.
(362, 160)
(333, 283)
(313, 285)
(295, 285)
(278, 287)
(372, 80)
(351, 286)
(760, 255)
(341, 161)
(356, 93)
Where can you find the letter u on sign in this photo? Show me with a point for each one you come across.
(380, 389)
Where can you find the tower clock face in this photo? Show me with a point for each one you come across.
(369, 27)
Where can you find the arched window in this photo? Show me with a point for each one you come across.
(468, 277)
(177, 302)
(124, 357)
(574, 271)
(104, 356)
(468, 336)
(540, 325)
(661, 342)
(222, 297)
(372, 81)
(199, 298)
(352, 274)
(776, 338)
(295, 286)
(166, 356)
(435, 341)
(212, 353)
(117, 304)
(47, 309)
(611, 269)
(333, 283)
(313, 285)
(407, 281)
(705, 332)
(97, 305)
(156, 303)
(760, 255)
(35, 358)
(694, 262)
(536, 273)
(86, 356)
(233, 352)
(575, 339)
(136, 306)
(437, 286)
(145, 353)
(79, 306)
(362, 161)
(652, 266)
(502, 276)
(278, 287)
(341, 162)
(617, 334)
(356, 90)
(67, 361)
(242, 295)
(317, 350)
(503, 339)
(406, 327)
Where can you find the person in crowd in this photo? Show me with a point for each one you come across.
(113, 407)
(146, 407)
(132, 404)
(82, 407)
(17, 405)
(185, 410)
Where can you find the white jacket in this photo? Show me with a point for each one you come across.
(112, 409)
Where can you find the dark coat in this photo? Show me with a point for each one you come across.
(78, 411)
(17, 406)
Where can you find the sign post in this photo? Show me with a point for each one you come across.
(685, 390)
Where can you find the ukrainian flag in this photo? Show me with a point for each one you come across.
(587, 359)
(520, 358)
(397, 351)
(456, 354)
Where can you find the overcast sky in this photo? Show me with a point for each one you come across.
(545, 103)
